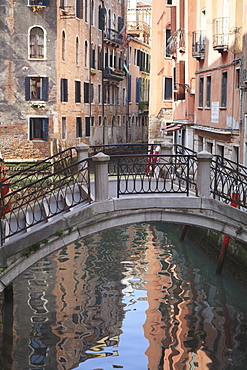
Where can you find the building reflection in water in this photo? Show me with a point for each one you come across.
(68, 308)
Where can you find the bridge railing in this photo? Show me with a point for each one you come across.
(41, 196)
(141, 174)
(229, 182)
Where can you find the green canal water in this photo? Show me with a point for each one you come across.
(133, 298)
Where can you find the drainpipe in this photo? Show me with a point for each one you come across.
(90, 60)
(102, 73)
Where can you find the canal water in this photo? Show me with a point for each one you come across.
(133, 298)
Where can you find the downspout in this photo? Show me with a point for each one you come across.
(102, 72)
(90, 61)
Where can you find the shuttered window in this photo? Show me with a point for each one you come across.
(88, 92)
(78, 127)
(64, 89)
(129, 88)
(167, 88)
(201, 89)
(77, 91)
(87, 126)
(138, 89)
(36, 88)
(38, 128)
(224, 89)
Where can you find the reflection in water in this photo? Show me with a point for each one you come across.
(133, 298)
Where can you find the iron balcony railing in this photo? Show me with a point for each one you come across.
(114, 36)
(115, 74)
(221, 34)
(198, 44)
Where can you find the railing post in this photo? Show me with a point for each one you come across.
(203, 174)
(101, 181)
(166, 148)
(82, 151)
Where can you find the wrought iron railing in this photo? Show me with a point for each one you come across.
(59, 183)
(229, 182)
(41, 196)
(23, 175)
(142, 174)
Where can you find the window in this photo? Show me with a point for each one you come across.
(78, 9)
(101, 18)
(63, 45)
(92, 56)
(64, 89)
(124, 96)
(86, 52)
(167, 88)
(88, 92)
(129, 88)
(201, 83)
(38, 128)
(168, 2)
(77, 91)
(36, 88)
(167, 43)
(38, 2)
(99, 94)
(208, 101)
(37, 43)
(63, 128)
(78, 127)
(138, 89)
(100, 120)
(224, 89)
(77, 50)
(86, 10)
(92, 12)
(99, 58)
(87, 126)
(238, 78)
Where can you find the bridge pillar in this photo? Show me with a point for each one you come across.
(101, 181)
(166, 148)
(203, 174)
(82, 151)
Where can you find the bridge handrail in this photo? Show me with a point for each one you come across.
(35, 171)
(156, 173)
(229, 182)
(44, 197)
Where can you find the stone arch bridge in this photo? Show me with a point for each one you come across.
(64, 200)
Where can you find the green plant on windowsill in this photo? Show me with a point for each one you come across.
(37, 105)
(37, 8)
(142, 105)
(93, 73)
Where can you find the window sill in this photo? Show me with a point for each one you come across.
(207, 108)
(222, 108)
(200, 108)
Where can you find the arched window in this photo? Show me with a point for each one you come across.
(86, 9)
(37, 43)
(92, 13)
(77, 50)
(86, 53)
(63, 45)
(109, 19)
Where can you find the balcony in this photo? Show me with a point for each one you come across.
(198, 44)
(113, 37)
(114, 74)
(221, 34)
